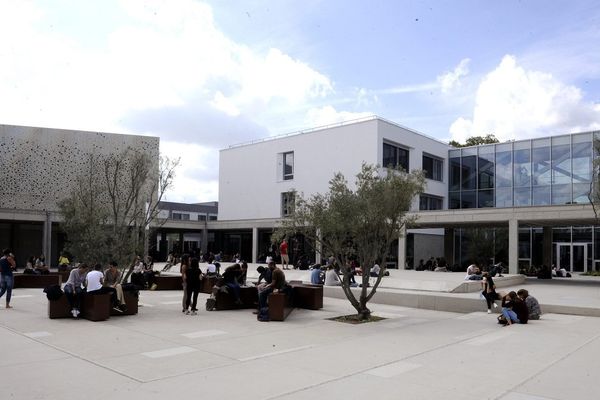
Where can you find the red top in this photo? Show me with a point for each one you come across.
(283, 248)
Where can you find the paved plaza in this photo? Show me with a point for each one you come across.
(412, 354)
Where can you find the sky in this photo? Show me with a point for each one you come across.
(203, 75)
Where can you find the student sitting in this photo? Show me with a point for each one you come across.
(533, 307)
(374, 272)
(74, 288)
(94, 284)
(316, 275)
(112, 279)
(331, 277)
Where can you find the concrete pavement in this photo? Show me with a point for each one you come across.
(414, 354)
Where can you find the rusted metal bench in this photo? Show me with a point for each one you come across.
(36, 281)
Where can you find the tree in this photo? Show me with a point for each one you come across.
(594, 193)
(107, 215)
(357, 224)
(476, 140)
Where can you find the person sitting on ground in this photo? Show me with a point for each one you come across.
(278, 283)
(374, 272)
(94, 285)
(316, 275)
(544, 272)
(489, 291)
(331, 277)
(535, 312)
(74, 288)
(473, 273)
(149, 274)
(112, 279)
(508, 303)
(193, 275)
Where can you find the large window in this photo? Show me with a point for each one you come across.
(428, 202)
(288, 166)
(394, 156)
(433, 167)
(180, 216)
(287, 203)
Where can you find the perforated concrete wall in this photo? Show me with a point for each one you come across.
(39, 166)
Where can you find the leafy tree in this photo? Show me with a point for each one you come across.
(107, 215)
(476, 140)
(594, 193)
(357, 224)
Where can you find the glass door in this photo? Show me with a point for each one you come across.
(571, 256)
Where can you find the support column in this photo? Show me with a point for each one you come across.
(449, 246)
(204, 242)
(547, 247)
(254, 245)
(318, 248)
(181, 250)
(402, 249)
(47, 239)
(513, 246)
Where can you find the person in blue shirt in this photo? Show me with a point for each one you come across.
(7, 264)
(316, 275)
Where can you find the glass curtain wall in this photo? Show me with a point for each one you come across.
(538, 172)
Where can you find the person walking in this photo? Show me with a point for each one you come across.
(193, 276)
(7, 265)
(283, 251)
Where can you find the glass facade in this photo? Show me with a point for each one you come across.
(556, 170)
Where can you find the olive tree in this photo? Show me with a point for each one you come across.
(109, 212)
(357, 223)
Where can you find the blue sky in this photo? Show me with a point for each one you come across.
(204, 75)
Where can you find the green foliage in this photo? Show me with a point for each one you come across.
(476, 140)
(483, 244)
(594, 193)
(357, 224)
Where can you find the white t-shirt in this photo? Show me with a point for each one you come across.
(211, 268)
(375, 269)
(331, 278)
(94, 280)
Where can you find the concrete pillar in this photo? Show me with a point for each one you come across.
(402, 249)
(513, 246)
(318, 248)
(449, 246)
(547, 247)
(47, 239)
(204, 242)
(254, 245)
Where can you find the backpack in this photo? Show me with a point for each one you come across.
(53, 292)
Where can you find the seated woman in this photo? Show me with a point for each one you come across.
(331, 277)
(514, 310)
(40, 266)
(535, 312)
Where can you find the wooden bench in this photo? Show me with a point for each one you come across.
(248, 296)
(36, 281)
(94, 307)
(168, 282)
(207, 283)
(280, 306)
(307, 296)
(131, 301)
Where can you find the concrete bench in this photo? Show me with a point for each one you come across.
(36, 281)
(168, 282)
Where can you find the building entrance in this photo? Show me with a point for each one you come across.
(571, 256)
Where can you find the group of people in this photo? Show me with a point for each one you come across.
(517, 307)
(37, 265)
(84, 279)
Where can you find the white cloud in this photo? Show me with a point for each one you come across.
(329, 115)
(451, 80)
(515, 103)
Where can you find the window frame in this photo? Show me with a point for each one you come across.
(286, 207)
(397, 150)
(287, 176)
(435, 162)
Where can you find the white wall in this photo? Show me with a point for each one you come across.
(250, 176)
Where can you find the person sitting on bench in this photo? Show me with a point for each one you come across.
(228, 282)
(112, 279)
(277, 283)
(94, 284)
(74, 288)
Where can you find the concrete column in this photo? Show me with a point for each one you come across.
(318, 248)
(402, 249)
(254, 244)
(547, 246)
(47, 239)
(449, 246)
(513, 246)
(204, 243)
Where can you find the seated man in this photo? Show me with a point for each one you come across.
(137, 276)
(316, 275)
(535, 312)
(40, 266)
(331, 277)
(277, 283)
(112, 279)
(227, 283)
(374, 272)
(74, 288)
(93, 283)
(211, 269)
(473, 273)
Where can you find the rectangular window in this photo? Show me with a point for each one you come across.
(201, 217)
(433, 167)
(287, 203)
(394, 156)
(428, 202)
(288, 166)
(181, 216)
(212, 217)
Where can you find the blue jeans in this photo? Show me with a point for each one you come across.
(73, 295)
(6, 286)
(262, 297)
(235, 288)
(510, 315)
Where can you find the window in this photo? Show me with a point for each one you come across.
(428, 202)
(212, 217)
(394, 156)
(201, 217)
(287, 203)
(433, 167)
(288, 166)
(181, 216)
